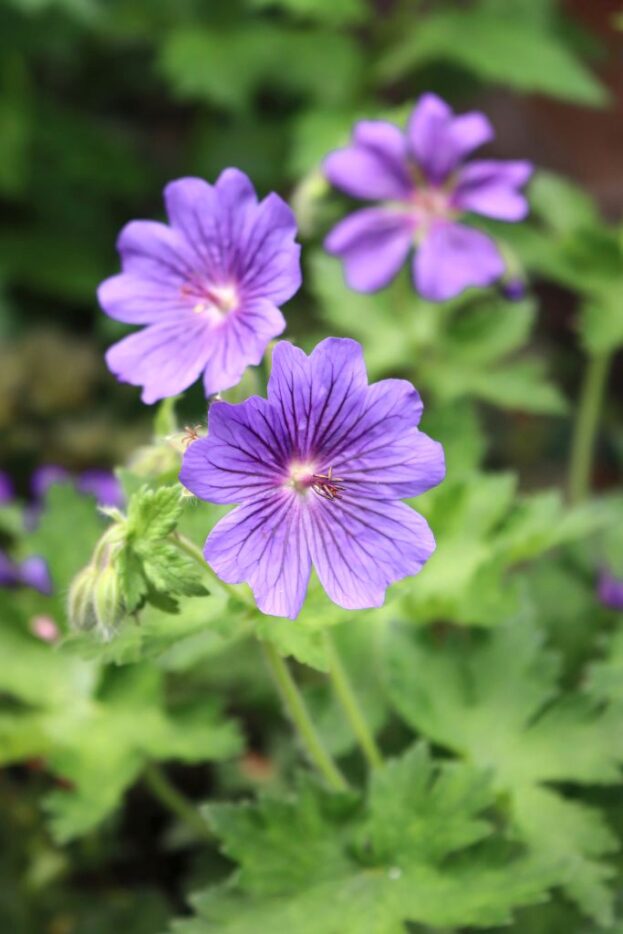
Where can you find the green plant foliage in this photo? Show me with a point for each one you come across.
(96, 730)
(369, 865)
(497, 48)
(462, 349)
(516, 723)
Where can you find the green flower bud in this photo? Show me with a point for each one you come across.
(107, 601)
(80, 604)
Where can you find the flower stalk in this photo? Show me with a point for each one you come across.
(347, 699)
(291, 697)
(173, 800)
(585, 434)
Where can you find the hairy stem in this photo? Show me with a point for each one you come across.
(173, 800)
(292, 699)
(297, 711)
(347, 698)
(585, 434)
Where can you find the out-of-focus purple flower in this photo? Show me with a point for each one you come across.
(31, 572)
(208, 286)
(514, 290)
(103, 485)
(610, 590)
(46, 476)
(9, 572)
(424, 188)
(7, 491)
(319, 469)
(100, 483)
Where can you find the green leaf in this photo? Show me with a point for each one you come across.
(228, 66)
(368, 866)
(501, 709)
(66, 533)
(497, 49)
(565, 207)
(102, 744)
(338, 12)
(153, 514)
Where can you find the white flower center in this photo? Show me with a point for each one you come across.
(214, 301)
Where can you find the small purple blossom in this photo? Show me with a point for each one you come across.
(103, 485)
(31, 572)
(208, 286)
(424, 188)
(100, 483)
(319, 469)
(610, 590)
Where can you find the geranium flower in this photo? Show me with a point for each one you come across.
(207, 285)
(610, 590)
(424, 188)
(319, 469)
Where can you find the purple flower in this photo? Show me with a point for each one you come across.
(319, 469)
(46, 476)
(207, 285)
(32, 572)
(610, 590)
(424, 188)
(103, 485)
(7, 491)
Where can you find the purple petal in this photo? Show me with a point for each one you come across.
(385, 456)
(9, 572)
(103, 485)
(33, 572)
(136, 299)
(242, 456)
(155, 251)
(610, 590)
(263, 543)
(374, 166)
(373, 244)
(240, 341)
(439, 141)
(360, 547)
(317, 397)
(164, 358)
(7, 491)
(267, 259)
(488, 187)
(453, 258)
(46, 476)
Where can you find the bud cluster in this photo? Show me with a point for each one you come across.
(95, 599)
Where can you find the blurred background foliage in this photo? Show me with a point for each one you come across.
(101, 103)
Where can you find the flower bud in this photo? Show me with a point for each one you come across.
(80, 604)
(107, 602)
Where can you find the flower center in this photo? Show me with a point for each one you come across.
(303, 477)
(430, 204)
(215, 301)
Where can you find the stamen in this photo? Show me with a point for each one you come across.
(327, 486)
(303, 477)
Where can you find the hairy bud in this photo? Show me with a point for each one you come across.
(107, 601)
(80, 604)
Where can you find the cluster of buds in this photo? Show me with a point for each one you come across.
(95, 600)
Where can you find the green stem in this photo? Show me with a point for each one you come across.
(297, 710)
(290, 694)
(585, 434)
(173, 800)
(346, 696)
